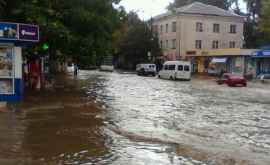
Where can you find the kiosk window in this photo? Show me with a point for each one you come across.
(6, 70)
(186, 68)
(6, 62)
(180, 67)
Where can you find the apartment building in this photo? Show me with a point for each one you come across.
(195, 29)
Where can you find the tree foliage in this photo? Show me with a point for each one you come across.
(254, 9)
(264, 23)
(77, 29)
(254, 38)
(136, 41)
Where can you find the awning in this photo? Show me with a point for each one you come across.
(219, 60)
(261, 54)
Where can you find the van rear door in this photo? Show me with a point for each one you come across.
(180, 71)
(187, 72)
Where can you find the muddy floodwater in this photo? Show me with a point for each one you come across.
(123, 119)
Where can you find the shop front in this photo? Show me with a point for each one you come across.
(214, 62)
(262, 61)
(12, 37)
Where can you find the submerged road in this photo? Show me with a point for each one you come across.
(121, 118)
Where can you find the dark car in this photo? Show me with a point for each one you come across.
(232, 80)
(146, 69)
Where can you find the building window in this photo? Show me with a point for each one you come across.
(233, 29)
(167, 27)
(232, 44)
(199, 27)
(198, 44)
(174, 27)
(174, 44)
(216, 28)
(215, 45)
(161, 44)
(167, 44)
(161, 29)
(180, 67)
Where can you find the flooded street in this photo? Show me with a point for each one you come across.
(121, 118)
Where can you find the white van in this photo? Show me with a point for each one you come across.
(176, 70)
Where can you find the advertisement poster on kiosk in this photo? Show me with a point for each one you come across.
(6, 70)
(8, 31)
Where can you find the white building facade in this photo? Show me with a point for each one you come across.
(195, 29)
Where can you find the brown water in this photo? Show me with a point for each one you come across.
(112, 118)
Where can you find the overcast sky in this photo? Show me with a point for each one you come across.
(148, 8)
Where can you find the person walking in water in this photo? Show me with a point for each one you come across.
(75, 69)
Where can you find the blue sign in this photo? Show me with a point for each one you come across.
(8, 31)
(18, 32)
(261, 54)
(28, 32)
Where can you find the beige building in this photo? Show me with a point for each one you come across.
(195, 29)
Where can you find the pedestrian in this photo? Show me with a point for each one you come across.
(75, 69)
(34, 68)
(221, 73)
(26, 74)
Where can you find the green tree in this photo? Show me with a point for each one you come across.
(254, 9)
(253, 37)
(2, 4)
(137, 42)
(77, 29)
(264, 23)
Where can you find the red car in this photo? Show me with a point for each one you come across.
(232, 80)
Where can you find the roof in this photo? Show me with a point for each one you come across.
(199, 8)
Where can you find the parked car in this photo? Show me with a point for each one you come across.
(107, 68)
(232, 80)
(176, 70)
(146, 69)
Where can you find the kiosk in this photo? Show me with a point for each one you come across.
(13, 36)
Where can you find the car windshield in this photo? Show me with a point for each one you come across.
(236, 77)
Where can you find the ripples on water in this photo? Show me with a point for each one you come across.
(139, 120)
(208, 114)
